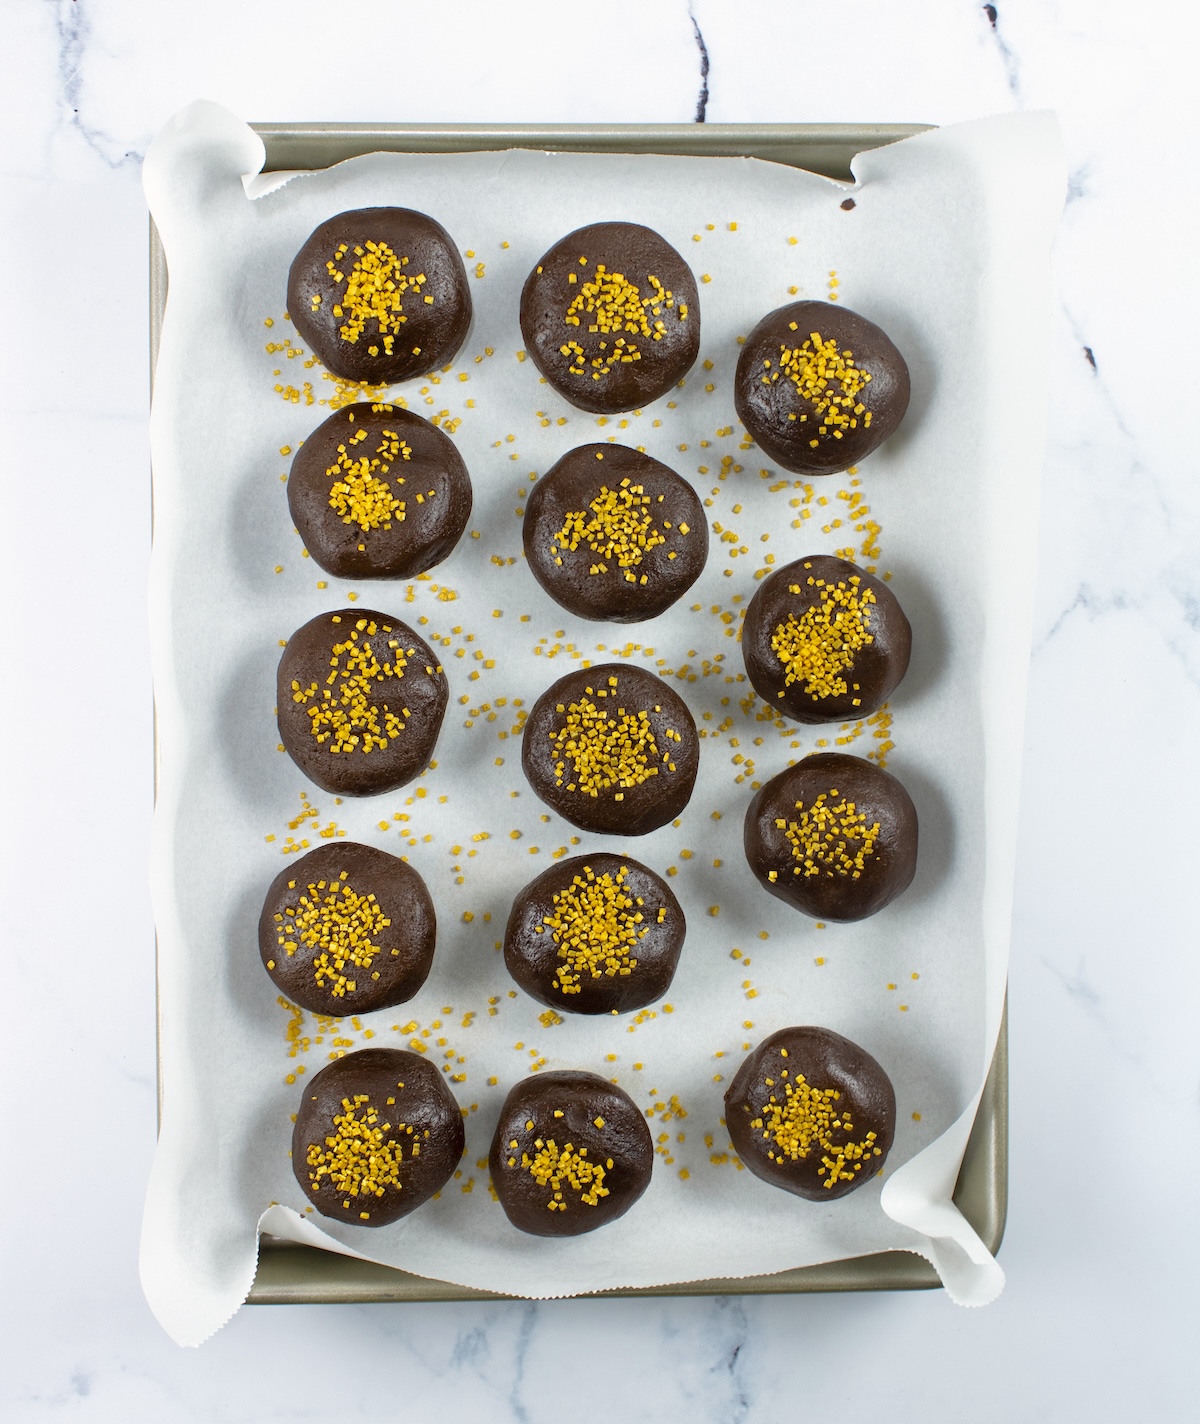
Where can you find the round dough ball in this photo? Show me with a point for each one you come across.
(834, 836)
(811, 1112)
(825, 642)
(377, 1133)
(613, 534)
(819, 387)
(611, 317)
(596, 934)
(612, 749)
(377, 492)
(380, 295)
(347, 929)
(361, 701)
(571, 1153)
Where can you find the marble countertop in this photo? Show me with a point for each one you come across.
(1105, 1058)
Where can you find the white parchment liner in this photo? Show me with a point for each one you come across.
(947, 249)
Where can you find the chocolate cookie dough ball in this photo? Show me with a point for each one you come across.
(819, 387)
(361, 701)
(596, 934)
(811, 1112)
(380, 295)
(823, 641)
(347, 929)
(613, 534)
(834, 836)
(571, 1153)
(611, 318)
(377, 1133)
(612, 749)
(377, 492)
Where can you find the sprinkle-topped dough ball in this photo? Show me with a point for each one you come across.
(361, 701)
(377, 492)
(611, 318)
(819, 387)
(347, 929)
(572, 1152)
(811, 1112)
(825, 642)
(613, 534)
(612, 749)
(596, 934)
(835, 836)
(377, 1133)
(380, 295)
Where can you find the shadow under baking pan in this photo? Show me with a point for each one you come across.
(293, 1274)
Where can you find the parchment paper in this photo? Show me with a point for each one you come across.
(946, 247)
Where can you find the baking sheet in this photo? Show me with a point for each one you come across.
(222, 532)
(289, 1273)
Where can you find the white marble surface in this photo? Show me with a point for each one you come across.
(1101, 1252)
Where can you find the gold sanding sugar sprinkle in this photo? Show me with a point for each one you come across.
(809, 1116)
(374, 289)
(345, 715)
(610, 304)
(831, 836)
(595, 924)
(605, 752)
(359, 1159)
(820, 645)
(341, 926)
(829, 380)
(552, 1166)
(358, 494)
(620, 528)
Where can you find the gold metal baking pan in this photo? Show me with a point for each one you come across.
(289, 1274)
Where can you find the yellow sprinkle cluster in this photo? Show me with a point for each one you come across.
(374, 289)
(345, 713)
(552, 1166)
(610, 304)
(619, 528)
(821, 644)
(831, 837)
(358, 494)
(341, 925)
(348, 392)
(595, 924)
(808, 1116)
(829, 380)
(604, 751)
(360, 1159)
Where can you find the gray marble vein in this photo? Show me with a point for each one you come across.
(702, 97)
(1012, 68)
(76, 40)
